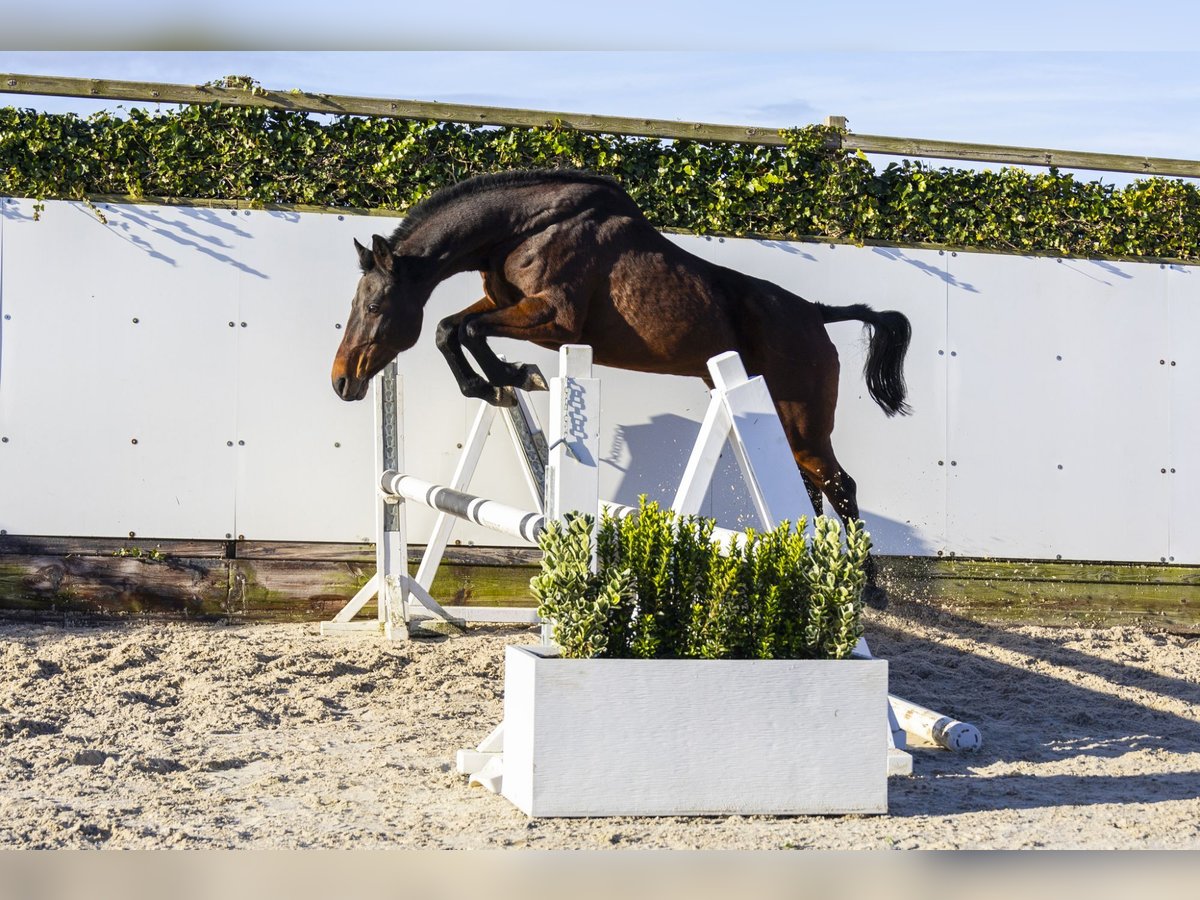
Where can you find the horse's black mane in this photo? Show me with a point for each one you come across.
(444, 196)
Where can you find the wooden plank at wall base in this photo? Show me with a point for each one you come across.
(116, 585)
(462, 555)
(308, 582)
(38, 545)
(249, 589)
(1050, 593)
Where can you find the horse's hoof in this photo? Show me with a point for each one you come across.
(875, 596)
(534, 379)
(503, 397)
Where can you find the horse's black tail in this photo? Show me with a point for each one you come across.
(884, 369)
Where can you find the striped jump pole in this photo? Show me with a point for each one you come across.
(487, 513)
(492, 514)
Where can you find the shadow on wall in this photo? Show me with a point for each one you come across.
(652, 458)
(786, 247)
(891, 537)
(131, 223)
(899, 255)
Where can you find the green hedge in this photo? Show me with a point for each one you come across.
(803, 189)
(664, 590)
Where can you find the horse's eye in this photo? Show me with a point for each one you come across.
(373, 308)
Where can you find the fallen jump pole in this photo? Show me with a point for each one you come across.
(935, 728)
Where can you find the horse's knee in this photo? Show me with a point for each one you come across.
(446, 333)
(472, 331)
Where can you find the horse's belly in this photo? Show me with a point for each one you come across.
(649, 339)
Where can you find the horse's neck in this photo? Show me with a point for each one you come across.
(460, 238)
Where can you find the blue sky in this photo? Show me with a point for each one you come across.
(1062, 76)
(760, 25)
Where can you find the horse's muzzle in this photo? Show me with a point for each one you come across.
(351, 388)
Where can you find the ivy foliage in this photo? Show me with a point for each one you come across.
(807, 188)
(664, 589)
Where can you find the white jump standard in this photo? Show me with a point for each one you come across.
(562, 476)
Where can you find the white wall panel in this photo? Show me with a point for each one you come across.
(81, 381)
(1057, 409)
(305, 456)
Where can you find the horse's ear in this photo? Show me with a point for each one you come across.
(366, 259)
(382, 252)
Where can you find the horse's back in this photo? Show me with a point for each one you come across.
(642, 301)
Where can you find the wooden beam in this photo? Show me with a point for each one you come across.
(333, 104)
(1024, 156)
(137, 547)
(666, 129)
(311, 552)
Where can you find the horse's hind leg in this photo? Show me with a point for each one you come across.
(814, 494)
(836, 484)
(821, 470)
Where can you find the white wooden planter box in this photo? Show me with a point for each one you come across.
(617, 737)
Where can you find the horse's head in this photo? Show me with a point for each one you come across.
(385, 318)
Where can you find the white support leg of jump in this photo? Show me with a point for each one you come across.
(575, 428)
(573, 466)
(391, 544)
(742, 414)
(467, 463)
(357, 602)
(706, 453)
(391, 585)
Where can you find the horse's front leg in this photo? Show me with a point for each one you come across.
(529, 319)
(447, 338)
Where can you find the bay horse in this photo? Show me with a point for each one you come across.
(568, 257)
